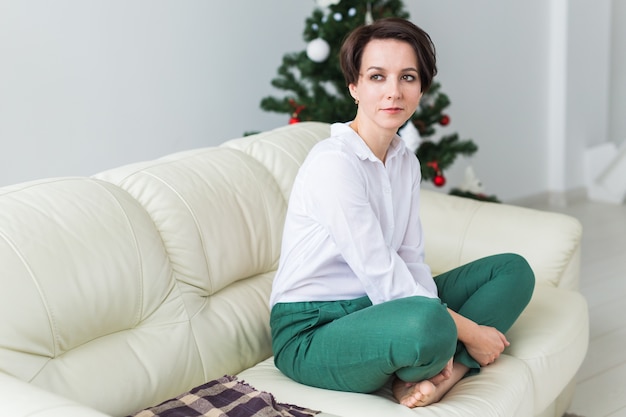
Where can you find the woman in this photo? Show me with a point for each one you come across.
(353, 302)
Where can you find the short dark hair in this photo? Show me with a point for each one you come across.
(396, 28)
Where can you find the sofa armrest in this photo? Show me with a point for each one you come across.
(459, 230)
(20, 399)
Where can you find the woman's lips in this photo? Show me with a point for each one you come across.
(392, 110)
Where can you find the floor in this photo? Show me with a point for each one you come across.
(601, 381)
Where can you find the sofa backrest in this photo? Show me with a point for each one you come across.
(282, 151)
(128, 288)
(459, 230)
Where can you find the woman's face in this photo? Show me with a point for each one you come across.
(389, 87)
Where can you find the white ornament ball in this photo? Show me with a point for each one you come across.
(318, 50)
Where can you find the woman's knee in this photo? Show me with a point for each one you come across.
(427, 341)
(521, 269)
(428, 328)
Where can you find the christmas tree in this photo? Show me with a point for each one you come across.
(437, 156)
(317, 91)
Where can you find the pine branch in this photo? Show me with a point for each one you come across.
(444, 153)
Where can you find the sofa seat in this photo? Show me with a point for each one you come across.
(504, 389)
(550, 334)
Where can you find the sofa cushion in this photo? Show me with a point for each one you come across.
(219, 212)
(503, 389)
(93, 313)
(282, 151)
(459, 230)
(551, 337)
(220, 215)
(21, 399)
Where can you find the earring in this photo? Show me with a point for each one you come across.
(356, 101)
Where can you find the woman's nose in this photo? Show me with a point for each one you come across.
(393, 90)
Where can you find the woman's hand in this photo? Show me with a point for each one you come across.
(486, 345)
(483, 343)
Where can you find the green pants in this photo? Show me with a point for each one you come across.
(352, 345)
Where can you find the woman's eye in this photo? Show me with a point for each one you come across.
(408, 77)
(376, 77)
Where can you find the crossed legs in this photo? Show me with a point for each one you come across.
(353, 346)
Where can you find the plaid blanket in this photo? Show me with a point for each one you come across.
(224, 397)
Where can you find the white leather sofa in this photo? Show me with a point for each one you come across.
(125, 289)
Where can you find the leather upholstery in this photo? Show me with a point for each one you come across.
(130, 287)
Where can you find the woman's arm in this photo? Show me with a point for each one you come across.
(483, 343)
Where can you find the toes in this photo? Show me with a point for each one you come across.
(421, 395)
(413, 400)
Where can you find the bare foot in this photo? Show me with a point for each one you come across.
(414, 394)
(423, 393)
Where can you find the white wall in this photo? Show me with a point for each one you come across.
(588, 82)
(87, 85)
(531, 83)
(493, 65)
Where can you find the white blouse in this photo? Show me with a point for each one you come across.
(353, 226)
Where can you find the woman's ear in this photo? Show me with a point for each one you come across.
(353, 93)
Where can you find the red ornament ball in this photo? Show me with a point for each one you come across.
(445, 120)
(294, 120)
(439, 180)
